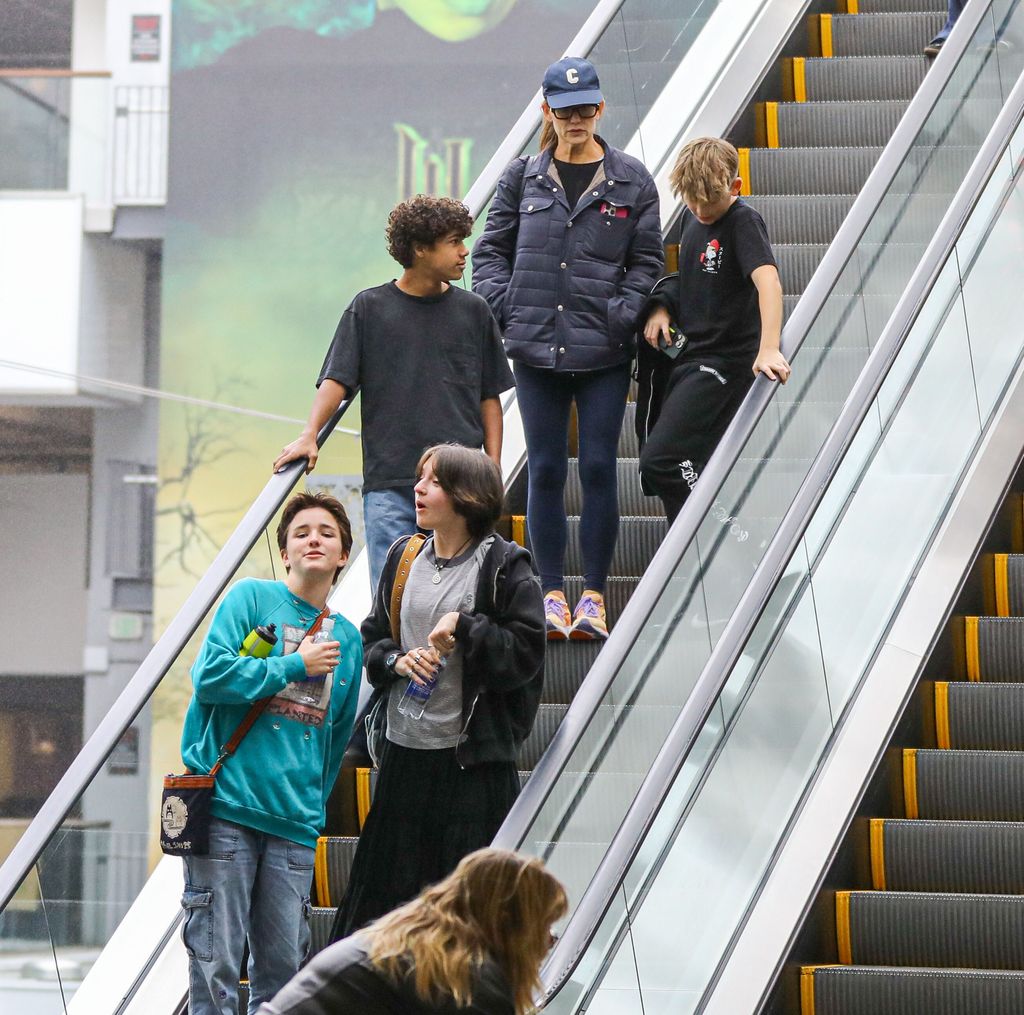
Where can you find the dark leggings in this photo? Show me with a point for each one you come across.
(545, 398)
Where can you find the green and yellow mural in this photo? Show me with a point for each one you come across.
(295, 127)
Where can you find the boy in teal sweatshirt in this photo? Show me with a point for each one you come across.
(270, 796)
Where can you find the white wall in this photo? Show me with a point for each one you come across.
(42, 559)
(40, 270)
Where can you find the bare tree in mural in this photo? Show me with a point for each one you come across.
(207, 442)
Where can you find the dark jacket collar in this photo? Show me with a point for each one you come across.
(615, 167)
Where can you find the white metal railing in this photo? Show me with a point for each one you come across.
(139, 144)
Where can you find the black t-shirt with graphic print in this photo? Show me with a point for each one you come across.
(718, 310)
(423, 365)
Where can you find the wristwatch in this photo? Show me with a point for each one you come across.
(392, 660)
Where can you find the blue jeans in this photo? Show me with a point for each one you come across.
(250, 885)
(387, 515)
(954, 8)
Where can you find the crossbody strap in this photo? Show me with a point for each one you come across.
(412, 548)
(257, 709)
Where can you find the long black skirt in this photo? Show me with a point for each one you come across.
(427, 814)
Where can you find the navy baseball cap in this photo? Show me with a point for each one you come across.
(571, 82)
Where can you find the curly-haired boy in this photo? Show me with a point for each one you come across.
(427, 359)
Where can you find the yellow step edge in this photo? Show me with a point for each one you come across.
(843, 928)
(807, 989)
(744, 171)
(878, 853)
(825, 34)
(323, 891)
(362, 794)
(971, 640)
(519, 529)
(852, 7)
(799, 79)
(771, 123)
(910, 781)
(1001, 562)
(942, 714)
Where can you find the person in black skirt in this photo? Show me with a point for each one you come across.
(472, 628)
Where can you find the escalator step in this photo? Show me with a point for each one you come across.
(1009, 582)
(639, 539)
(332, 866)
(964, 785)
(321, 919)
(629, 445)
(797, 263)
(898, 6)
(837, 124)
(930, 929)
(566, 664)
(800, 170)
(549, 717)
(922, 855)
(871, 990)
(995, 648)
(863, 78)
(980, 716)
(793, 219)
(632, 500)
(883, 34)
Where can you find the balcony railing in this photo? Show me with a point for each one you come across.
(73, 130)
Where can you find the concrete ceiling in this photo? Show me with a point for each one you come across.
(35, 33)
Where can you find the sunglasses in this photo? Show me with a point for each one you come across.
(584, 112)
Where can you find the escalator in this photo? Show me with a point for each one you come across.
(592, 778)
(859, 630)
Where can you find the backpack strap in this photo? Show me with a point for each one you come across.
(412, 548)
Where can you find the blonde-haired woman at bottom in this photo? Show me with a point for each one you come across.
(470, 945)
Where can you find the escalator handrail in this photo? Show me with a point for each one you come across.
(639, 819)
(152, 669)
(683, 532)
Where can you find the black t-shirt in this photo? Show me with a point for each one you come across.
(718, 308)
(576, 177)
(423, 364)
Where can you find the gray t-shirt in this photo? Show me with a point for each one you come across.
(423, 605)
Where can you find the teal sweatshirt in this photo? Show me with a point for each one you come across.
(279, 779)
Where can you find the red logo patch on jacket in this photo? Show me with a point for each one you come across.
(614, 210)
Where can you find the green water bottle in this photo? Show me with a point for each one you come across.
(259, 642)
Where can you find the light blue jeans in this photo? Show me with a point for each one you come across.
(387, 515)
(250, 885)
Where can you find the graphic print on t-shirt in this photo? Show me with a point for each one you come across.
(305, 701)
(711, 259)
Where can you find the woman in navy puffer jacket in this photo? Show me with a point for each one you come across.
(571, 249)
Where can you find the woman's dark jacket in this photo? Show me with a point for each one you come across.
(502, 643)
(340, 980)
(566, 284)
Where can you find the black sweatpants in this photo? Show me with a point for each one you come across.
(699, 402)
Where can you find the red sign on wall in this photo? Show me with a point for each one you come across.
(145, 38)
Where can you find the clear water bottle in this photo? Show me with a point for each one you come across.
(414, 701)
(325, 633)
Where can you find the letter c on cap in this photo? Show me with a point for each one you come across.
(572, 75)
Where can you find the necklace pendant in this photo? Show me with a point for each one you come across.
(436, 580)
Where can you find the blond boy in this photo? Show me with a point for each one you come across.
(726, 304)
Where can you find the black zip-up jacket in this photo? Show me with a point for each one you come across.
(341, 980)
(503, 645)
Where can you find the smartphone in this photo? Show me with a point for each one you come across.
(672, 346)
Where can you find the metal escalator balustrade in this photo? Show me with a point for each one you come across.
(941, 921)
(789, 668)
(591, 776)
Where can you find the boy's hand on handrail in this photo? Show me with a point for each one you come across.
(773, 365)
(657, 326)
(303, 447)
